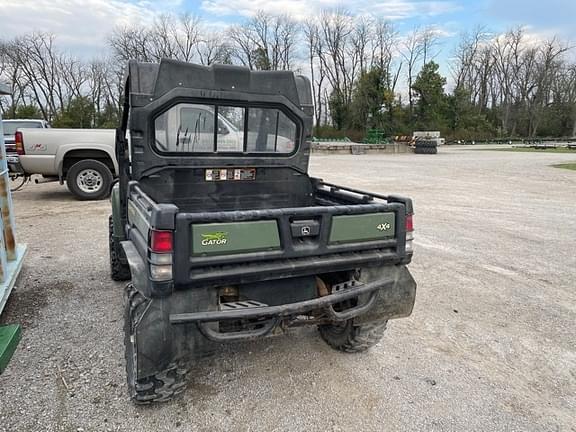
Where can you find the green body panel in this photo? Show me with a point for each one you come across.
(136, 218)
(373, 226)
(115, 201)
(9, 338)
(227, 238)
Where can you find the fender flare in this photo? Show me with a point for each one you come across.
(138, 268)
(65, 149)
(139, 272)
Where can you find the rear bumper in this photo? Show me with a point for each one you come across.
(287, 310)
(185, 324)
(13, 162)
(391, 296)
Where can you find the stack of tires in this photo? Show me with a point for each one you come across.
(426, 147)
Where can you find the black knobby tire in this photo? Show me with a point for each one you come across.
(352, 338)
(426, 150)
(89, 179)
(164, 384)
(119, 268)
(426, 143)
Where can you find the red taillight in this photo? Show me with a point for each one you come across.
(409, 223)
(19, 143)
(161, 241)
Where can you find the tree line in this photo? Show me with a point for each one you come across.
(364, 74)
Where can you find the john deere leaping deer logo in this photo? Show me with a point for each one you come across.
(214, 238)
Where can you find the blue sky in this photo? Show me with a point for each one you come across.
(543, 17)
(81, 26)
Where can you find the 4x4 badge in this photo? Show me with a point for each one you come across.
(383, 226)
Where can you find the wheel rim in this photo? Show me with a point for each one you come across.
(89, 180)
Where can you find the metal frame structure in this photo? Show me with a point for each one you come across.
(11, 254)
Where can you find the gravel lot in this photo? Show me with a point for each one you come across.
(491, 344)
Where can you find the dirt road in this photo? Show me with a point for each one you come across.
(491, 344)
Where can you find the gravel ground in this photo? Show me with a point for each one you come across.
(491, 344)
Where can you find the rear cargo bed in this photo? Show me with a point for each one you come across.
(345, 228)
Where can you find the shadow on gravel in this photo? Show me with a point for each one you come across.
(30, 193)
(27, 301)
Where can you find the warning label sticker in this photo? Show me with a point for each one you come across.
(233, 174)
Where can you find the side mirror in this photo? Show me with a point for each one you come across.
(222, 128)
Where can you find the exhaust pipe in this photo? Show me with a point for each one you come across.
(45, 180)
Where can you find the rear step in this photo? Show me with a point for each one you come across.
(270, 316)
(245, 304)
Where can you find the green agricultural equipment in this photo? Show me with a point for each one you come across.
(11, 254)
(375, 136)
(225, 236)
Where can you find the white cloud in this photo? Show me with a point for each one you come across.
(403, 9)
(298, 9)
(442, 32)
(301, 9)
(80, 25)
(532, 37)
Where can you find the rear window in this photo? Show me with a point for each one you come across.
(269, 130)
(196, 128)
(10, 127)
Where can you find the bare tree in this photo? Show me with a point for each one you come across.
(360, 39)
(385, 38)
(212, 49)
(317, 73)
(130, 43)
(429, 41)
(547, 64)
(186, 36)
(411, 50)
(169, 36)
(335, 29)
(265, 42)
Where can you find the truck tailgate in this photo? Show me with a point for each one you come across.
(258, 244)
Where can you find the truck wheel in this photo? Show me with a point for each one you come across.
(119, 268)
(426, 143)
(352, 338)
(89, 179)
(163, 385)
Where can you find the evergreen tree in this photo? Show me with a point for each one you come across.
(80, 113)
(432, 102)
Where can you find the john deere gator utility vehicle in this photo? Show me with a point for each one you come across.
(223, 234)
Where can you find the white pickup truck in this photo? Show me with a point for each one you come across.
(84, 158)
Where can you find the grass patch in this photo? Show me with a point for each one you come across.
(570, 166)
(532, 150)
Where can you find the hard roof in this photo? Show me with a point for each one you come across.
(156, 79)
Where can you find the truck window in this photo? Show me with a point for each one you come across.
(185, 128)
(230, 129)
(10, 127)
